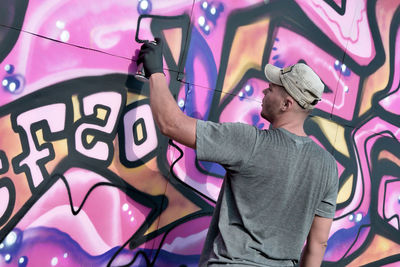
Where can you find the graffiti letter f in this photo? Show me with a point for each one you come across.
(36, 153)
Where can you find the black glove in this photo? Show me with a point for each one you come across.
(151, 56)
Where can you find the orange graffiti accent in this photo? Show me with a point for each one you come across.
(246, 52)
(389, 156)
(174, 39)
(380, 248)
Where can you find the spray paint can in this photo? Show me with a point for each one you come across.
(140, 74)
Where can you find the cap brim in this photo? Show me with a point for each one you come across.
(272, 74)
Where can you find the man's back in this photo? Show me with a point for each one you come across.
(276, 182)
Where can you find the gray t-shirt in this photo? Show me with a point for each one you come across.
(274, 185)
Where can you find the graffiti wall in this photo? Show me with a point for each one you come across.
(86, 178)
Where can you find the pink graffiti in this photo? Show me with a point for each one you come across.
(344, 88)
(216, 35)
(108, 217)
(95, 38)
(391, 102)
(108, 28)
(187, 238)
(349, 30)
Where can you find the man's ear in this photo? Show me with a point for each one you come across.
(287, 103)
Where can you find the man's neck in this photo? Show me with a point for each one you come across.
(295, 126)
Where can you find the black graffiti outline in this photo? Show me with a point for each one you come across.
(396, 216)
(381, 167)
(136, 139)
(4, 162)
(121, 136)
(11, 37)
(160, 23)
(7, 183)
(341, 10)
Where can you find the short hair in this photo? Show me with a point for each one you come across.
(284, 94)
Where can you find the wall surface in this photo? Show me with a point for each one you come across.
(85, 175)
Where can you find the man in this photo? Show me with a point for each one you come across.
(280, 187)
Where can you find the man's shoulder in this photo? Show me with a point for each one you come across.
(227, 125)
(323, 152)
(323, 156)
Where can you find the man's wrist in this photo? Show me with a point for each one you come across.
(157, 74)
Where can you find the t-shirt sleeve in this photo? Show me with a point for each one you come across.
(229, 144)
(327, 206)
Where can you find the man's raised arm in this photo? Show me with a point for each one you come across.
(171, 121)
